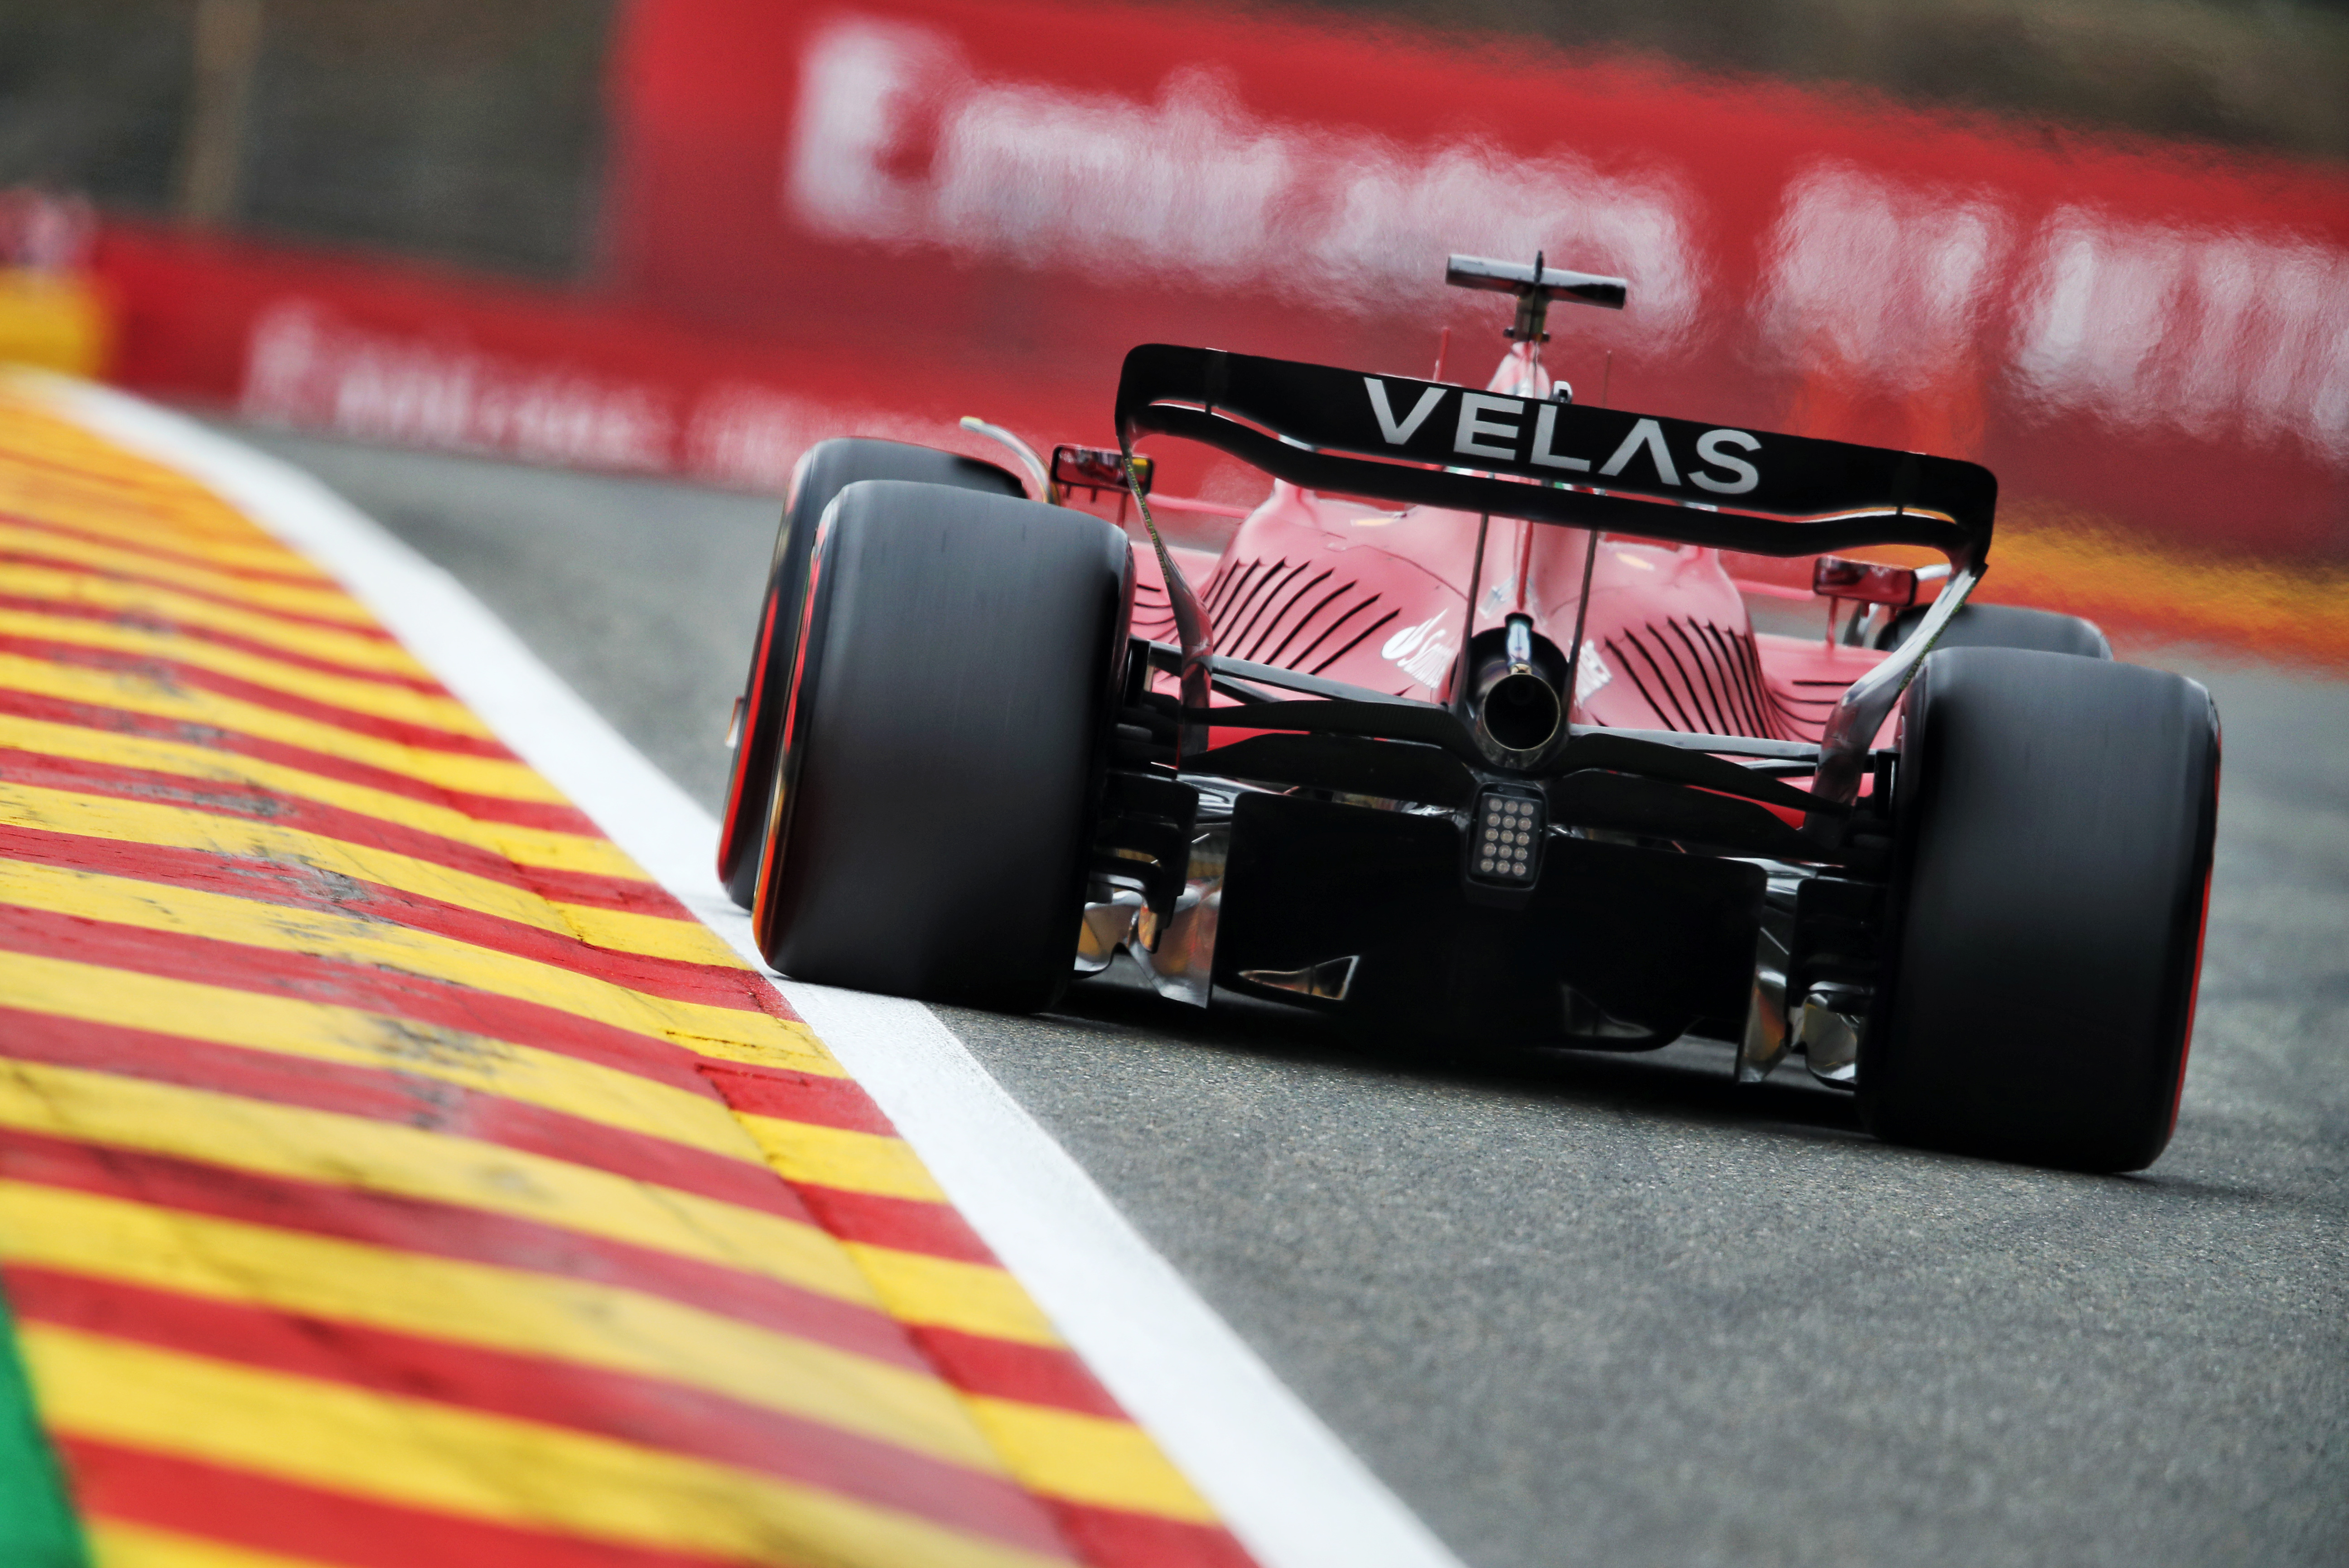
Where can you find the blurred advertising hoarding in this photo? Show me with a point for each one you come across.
(879, 217)
(411, 355)
(1020, 192)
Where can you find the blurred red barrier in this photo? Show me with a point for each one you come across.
(882, 218)
(412, 356)
(1021, 191)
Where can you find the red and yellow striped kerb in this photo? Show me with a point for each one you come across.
(392, 1174)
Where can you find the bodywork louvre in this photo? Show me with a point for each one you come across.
(1307, 618)
(1349, 613)
(1716, 720)
(1350, 648)
(1662, 684)
(1280, 615)
(1274, 582)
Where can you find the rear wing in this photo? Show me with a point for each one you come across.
(1429, 444)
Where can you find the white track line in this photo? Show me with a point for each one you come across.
(1294, 1494)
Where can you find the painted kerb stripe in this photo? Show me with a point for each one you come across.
(437, 1177)
(1292, 1492)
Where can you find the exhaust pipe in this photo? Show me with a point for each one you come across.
(1518, 710)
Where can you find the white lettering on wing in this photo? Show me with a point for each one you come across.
(1650, 434)
(1544, 428)
(1472, 405)
(1743, 476)
(1396, 434)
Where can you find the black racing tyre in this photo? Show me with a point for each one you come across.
(948, 733)
(2054, 820)
(2005, 626)
(828, 468)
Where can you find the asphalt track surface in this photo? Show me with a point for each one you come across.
(1589, 1309)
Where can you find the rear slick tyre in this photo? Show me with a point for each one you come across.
(947, 732)
(2054, 822)
(828, 468)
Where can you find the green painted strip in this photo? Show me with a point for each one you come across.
(37, 1527)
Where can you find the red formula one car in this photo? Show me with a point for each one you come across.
(1466, 734)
